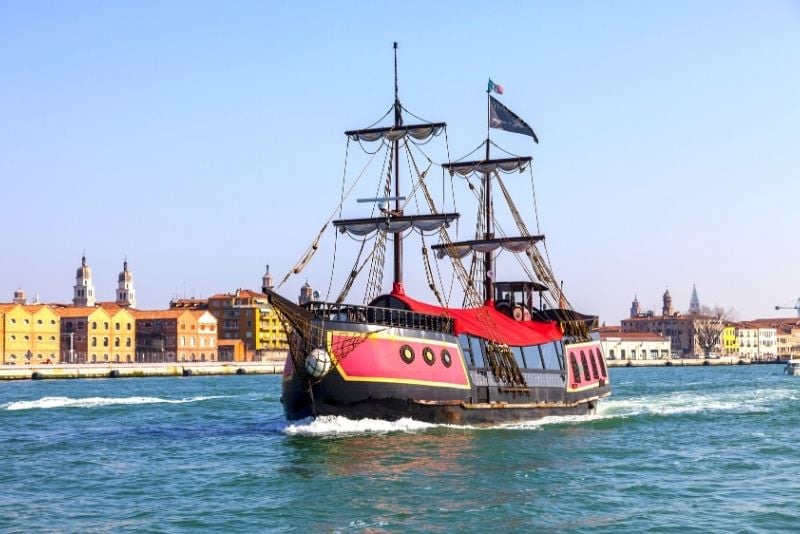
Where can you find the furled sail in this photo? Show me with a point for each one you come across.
(420, 132)
(488, 166)
(459, 249)
(395, 224)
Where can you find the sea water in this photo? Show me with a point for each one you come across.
(707, 449)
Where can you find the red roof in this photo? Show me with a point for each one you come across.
(488, 323)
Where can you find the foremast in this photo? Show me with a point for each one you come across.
(394, 221)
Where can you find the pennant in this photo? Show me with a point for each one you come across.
(494, 87)
(502, 118)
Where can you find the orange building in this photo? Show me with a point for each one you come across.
(175, 335)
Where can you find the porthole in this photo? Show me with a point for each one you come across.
(407, 353)
(428, 356)
(447, 361)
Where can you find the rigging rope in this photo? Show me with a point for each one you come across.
(312, 249)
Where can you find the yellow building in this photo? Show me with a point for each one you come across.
(122, 334)
(730, 341)
(247, 315)
(88, 334)
(29, 334)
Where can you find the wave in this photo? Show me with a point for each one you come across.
(334, 425)
(95, 402)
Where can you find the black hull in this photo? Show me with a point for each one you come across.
(395, 366)
(365, 400)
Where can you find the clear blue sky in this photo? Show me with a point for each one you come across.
(203, 140)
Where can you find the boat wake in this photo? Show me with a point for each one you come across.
(674, 404)
(95, 402)
(334, 425)
(680, 403)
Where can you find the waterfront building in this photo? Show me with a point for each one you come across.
(83, 290)
(97, 334)
(175, 335)
(788, 338)
(29, 334)
(126, 294)
(757, 341)
(231, 350)
(619, 345)
(247, 315)
(730, 340)
(189, 304)
(682, 330)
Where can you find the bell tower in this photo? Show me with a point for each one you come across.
(635, 310)
(126, 295)
(83, 290)
(266, 281)
(667, 309)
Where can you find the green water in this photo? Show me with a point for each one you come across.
(673, 450)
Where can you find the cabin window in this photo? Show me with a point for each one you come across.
(585, 366)
(550, 356)
(593, 360)
(476, 345)
(534, 357)
(407, 353)
(428, 356)
(447, 360)
(517, 352)
(463, 340)
(602, 363)
(560, 352)
(576, 372)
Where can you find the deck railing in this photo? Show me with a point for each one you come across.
(349, 313)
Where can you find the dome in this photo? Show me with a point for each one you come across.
(84, 271)
(125, 275)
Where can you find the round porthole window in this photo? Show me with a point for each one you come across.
(446, 359)
(407, 353)
(428, 356)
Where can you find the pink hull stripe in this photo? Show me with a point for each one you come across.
(380, 358)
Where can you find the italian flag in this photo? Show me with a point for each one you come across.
(494, 87)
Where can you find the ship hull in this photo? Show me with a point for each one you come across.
(402, 373)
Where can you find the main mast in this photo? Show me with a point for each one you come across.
(398, 236)
(488, 274)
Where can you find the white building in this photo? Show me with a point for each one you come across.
(757, 342)
(634, 345)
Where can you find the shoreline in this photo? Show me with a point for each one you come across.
(137, 370)
(689, 362)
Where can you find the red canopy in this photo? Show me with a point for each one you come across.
(488, 323)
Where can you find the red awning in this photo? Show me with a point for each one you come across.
(488, 323)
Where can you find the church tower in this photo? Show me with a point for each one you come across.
(126, 295)
(694, 303)
(635, 311)
(19, 297)
(667, 309)
(83, 290)
(267, 282)
(306, 294)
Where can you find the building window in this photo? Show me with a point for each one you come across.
(128, 325)
(116, 342)
(128, 342)
(94, 341)
(94, 325)
(116, 326)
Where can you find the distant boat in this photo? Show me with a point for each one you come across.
(792, 367)
(503, 356)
